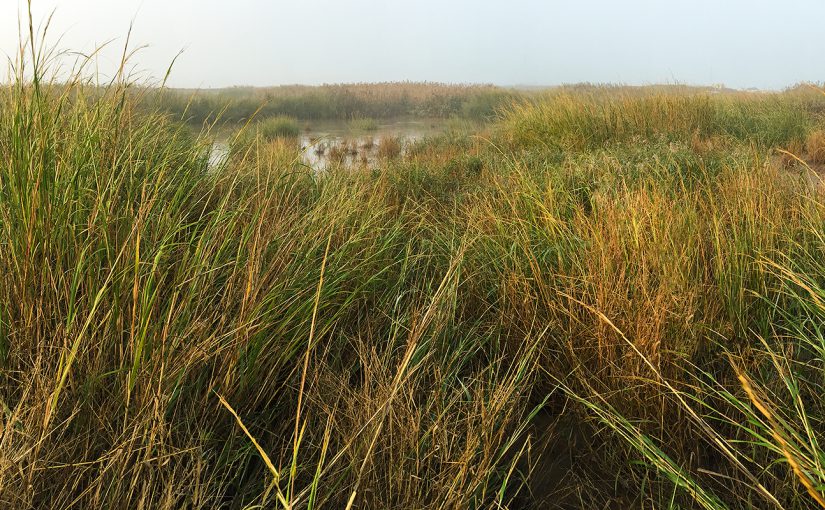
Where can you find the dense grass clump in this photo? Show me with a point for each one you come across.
(363, 124)
(279, 127)
(815, 146)
(606, 300)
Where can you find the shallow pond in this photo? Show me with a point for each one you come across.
(324, 142)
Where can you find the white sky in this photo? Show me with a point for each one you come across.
(530, 42)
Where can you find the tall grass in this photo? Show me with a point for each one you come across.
(580, 122)
(607, 300)
(152, 305)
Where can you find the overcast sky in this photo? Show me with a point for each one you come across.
(531, 42)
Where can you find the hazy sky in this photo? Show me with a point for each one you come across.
(256, 42)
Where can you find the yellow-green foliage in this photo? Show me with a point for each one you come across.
(583, 121)
(279, 127)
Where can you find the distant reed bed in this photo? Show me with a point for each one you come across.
(341, 102)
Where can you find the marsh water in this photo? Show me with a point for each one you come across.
(324, 142)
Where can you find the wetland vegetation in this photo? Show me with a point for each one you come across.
(359, 102)
(602, 297)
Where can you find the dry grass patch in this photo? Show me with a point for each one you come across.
(815, 146)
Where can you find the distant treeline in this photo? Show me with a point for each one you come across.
(378, 100)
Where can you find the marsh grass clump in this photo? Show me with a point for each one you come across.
(337, 151)
(363, 124)
(279, 127)
(389, 147)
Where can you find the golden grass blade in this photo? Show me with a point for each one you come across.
(310, 340)
(780, 439)
(272, 469)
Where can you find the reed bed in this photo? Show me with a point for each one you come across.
(340, 102)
